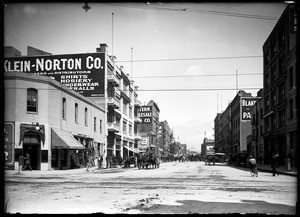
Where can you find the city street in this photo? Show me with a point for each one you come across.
(176, 187)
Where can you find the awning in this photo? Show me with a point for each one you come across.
(137, 150)
(62, 139)
(130, 149)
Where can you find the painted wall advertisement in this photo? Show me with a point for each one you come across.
(144, 143)
(84, 73)
(9, 143)
(246, 107)
(145, 113)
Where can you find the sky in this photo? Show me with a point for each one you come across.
(184, 56)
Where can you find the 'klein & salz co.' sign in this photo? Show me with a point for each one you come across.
(84, 73)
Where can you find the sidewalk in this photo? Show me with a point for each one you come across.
(281, 169)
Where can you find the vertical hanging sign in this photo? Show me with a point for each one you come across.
(9, 141)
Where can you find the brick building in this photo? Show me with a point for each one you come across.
(279, 97)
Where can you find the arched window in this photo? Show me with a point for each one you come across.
(64, 108)
(86, 117)
(32, 100)
(76, 113)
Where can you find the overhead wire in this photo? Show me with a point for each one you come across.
(212, 12)
(194, 58)
(204, 75)
(157, 90)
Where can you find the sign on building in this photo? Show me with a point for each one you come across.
(84, 73)
(144, 143)
(9, 143)
(246, 107)
(145, 113)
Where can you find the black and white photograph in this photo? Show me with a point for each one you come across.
(150, 107)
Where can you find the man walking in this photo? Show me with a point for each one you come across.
(274, 164)
(27, 162)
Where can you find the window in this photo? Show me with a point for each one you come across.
(281, 39)
(130, 112)
(274, 98)
(291, 75)
(281, 118)
(274, 121)
(100, 126)
(273, 74)
(267, 105)
(95, 124)
(291, 108)
(32, 100)
(86, 117)
(76, 113)
(266, 58)
(125, 108)
(281, 92)
(281, 66)
(267, 80)
(64, 108)
(130, 129)
(273, 49)
(125, 127)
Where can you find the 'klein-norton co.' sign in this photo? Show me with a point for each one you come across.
(84, 73)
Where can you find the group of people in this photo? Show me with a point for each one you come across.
(274, 163)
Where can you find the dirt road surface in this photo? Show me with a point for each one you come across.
(176, 187)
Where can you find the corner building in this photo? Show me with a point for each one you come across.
(58, 127)
(100, 82)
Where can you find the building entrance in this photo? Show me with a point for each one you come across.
(32, 145)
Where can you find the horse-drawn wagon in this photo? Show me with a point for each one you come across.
(148, 159)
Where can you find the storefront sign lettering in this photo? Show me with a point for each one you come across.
(84, 73)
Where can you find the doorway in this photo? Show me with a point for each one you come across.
(32, 145)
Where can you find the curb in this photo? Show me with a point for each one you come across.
(280, 172)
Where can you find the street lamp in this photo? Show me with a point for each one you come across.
(86, 7)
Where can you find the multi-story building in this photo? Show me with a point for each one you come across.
(234, 124)
(149, 127)
(164, 136)
(208, 146)
(58, 127)
(98, 79)
(256, 146)
(223, 131)
(279, 98)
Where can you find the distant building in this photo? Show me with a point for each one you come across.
(280, 89)
(256, 143)
(208, 146)
(149, 126)
(234, 124)
(164, 136)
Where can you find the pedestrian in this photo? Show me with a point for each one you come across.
(27, 162)
(260, 157)
(274, 164)
(288, 161)
(100, 161)
(252, 165)
(108, 161)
